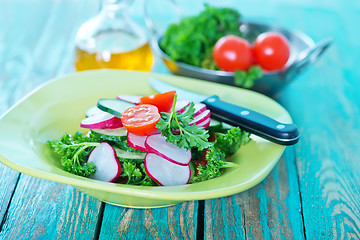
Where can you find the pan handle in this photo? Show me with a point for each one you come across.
(154, 30)
(306, 57)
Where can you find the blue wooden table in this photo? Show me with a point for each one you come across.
(312, 193)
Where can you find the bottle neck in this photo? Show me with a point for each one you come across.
(115, 5)
(114, 17)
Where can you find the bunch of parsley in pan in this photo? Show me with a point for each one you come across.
(192, 40)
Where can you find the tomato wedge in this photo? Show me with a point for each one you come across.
(141, 119)
(163, 101)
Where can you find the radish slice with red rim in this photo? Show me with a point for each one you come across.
(181, 104)
(205, 123)
(201, 117)
(94, 110)
(137, 142)
(165, 172)
(103, 120)
(129, 98)
(199, 108)
(107, 165)
(157, 144)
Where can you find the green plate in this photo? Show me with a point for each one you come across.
(58, 106)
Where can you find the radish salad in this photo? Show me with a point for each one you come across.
(149, 140)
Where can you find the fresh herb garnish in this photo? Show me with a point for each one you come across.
(181, 44)
(135, 174)
(192, 39)
(225, 145)
(175, 127)
(75, 150)
(246, 79)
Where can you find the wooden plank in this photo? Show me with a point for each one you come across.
(8, 183)
(175, 222)
(325, 102)
(271, 210)
(34, 43)
(41, 209)
(224, 218)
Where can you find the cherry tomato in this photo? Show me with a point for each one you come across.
(163, 101)
(233, 53)
(271, 50)
(141, 119)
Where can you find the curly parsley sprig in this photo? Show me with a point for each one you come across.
(175, 127)
(225, 145)
(74, 151)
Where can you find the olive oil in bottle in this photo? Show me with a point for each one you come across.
(112, 40)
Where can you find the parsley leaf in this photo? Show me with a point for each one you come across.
(246, 79)
(225, 145)
(230, 142)
(191, 40)
(175, 127)
(134, 173)
(75, 151)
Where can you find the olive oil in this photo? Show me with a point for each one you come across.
(140, 59)
(112, 39)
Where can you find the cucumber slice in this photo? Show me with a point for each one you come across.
(115, 135)
(215, 123)
(113, 106)
(129, 155)
(125, 146)
(215, 126)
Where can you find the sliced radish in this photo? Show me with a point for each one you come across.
(113, 106)
(107, 165)
(137, 142)
(130, 98)
(103, 120)
(165, 172)
(94, 110)
(201, 117)
(199, 108)
(205, 123)
(181, 104)
(157, 144)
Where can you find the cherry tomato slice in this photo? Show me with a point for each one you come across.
(163, 101)
(141, 119)
(271, 50)
(233, 53)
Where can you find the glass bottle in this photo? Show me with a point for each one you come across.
(112, 40)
